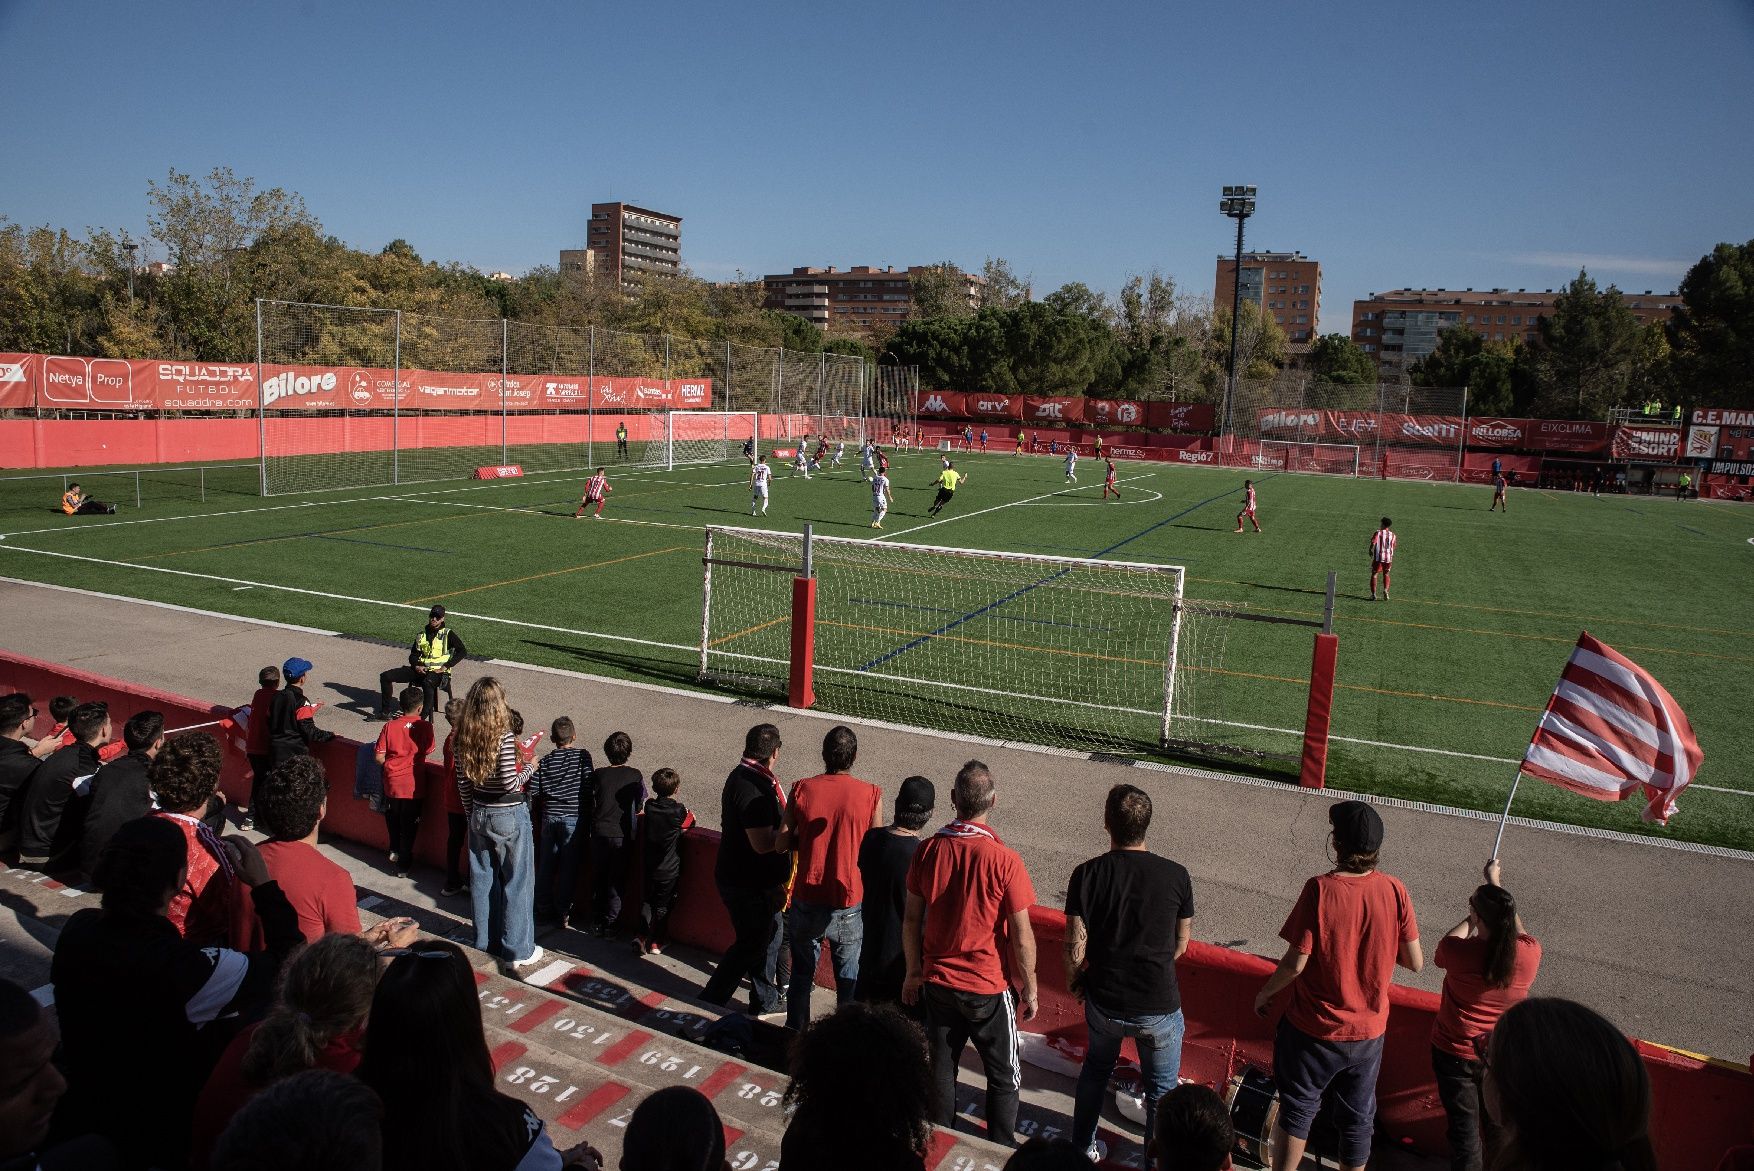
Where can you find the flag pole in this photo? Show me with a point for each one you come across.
(1505, 817)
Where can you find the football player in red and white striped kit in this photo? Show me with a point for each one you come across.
(597, 490)
(1382, 555)
(1248, 507)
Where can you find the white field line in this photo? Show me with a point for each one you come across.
(983, 511)
(376, 495)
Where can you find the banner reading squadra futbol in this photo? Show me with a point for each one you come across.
(115, 384)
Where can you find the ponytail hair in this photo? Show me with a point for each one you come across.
(325, 992)
(1496, 910)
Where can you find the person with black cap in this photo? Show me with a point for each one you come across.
(435, 650)
(292, 719)
(884, 856)
(1349, 929)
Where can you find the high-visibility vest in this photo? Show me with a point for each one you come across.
(434, 649)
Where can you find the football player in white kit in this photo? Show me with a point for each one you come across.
(867, 460)
(880, 499)
(1072, 465)
(759, 475)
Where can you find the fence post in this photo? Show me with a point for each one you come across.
(591, 399)
(727, 403)
(800, 691)
(396, 409)
(505, 342)
(136, 487)
(261, 409)
(1462, 442)
(1313, 772)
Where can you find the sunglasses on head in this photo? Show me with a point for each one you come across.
(425, 953)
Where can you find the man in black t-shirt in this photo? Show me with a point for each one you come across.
(1129, 913)
(751, 874)
(884, 855)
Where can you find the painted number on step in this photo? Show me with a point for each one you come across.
(668, 1063)
(751, 1092)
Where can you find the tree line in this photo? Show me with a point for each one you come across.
(228, 243)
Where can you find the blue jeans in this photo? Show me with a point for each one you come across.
(1159, 1041)
(502, 871)
(811, 924)
(557, 867)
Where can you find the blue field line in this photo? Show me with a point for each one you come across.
(1021, 590)
(377, 544)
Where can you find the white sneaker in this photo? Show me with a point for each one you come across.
(535, 957)
(1097, 1151)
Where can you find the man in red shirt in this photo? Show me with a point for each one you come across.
(1349, 929)
(968, 900)
(290, 804)
(826, 819)
(402, 745)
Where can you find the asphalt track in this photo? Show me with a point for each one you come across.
(1657, 938)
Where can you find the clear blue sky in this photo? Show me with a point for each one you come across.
(1419, 144)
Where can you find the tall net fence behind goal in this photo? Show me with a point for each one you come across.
(1293, 423)
(1038, 649)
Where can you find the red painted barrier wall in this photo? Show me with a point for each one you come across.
(1702, 1107)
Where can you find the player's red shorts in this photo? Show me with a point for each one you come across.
(1376, 565)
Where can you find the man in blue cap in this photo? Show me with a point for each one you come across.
(292, 725)
(435, 650)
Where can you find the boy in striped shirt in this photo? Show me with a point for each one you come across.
(1382, 555)
(597, 490)
(555, 789)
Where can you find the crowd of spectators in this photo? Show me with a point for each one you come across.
(224, 1008)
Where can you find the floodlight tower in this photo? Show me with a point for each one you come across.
(1239, 204)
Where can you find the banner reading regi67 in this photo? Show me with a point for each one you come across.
(115, 384)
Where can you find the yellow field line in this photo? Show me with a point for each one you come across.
(751, 630)
(494, 585)
(1016, 646)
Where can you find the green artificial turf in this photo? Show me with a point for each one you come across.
(1485, 611)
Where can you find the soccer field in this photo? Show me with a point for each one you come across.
(1438, 690)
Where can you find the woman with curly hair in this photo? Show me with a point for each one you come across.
(861, 1093)
(502, 852)
(1568, 1090)
(317, 1022)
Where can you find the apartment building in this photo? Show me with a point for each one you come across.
(1286, 285)
(861, 297)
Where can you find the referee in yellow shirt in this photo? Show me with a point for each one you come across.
(947, 481)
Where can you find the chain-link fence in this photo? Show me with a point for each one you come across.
(356, 397)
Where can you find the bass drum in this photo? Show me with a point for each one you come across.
(1253, 1099)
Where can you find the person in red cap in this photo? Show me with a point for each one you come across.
(1349, 929)
(435, 650)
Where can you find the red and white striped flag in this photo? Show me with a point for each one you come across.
(1610, 729)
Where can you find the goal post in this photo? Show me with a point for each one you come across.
(1332, 459)
(696, 437)
(1011, 646)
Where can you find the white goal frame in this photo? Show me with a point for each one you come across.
(1341, 450)
(811, 549)
(724, 418)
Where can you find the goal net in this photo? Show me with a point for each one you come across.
(1049, 650)
(1333, 459)
(699, 437)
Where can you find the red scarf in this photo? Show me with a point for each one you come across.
(756, 766)
(967, 829)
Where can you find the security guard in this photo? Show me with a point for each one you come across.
(435, 651)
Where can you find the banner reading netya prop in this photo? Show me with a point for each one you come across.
(117, 384)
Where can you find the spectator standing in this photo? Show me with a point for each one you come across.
(291, 805)
(207, 908)
(292, 719)
(1194, 1131)
(1567, 1090)
(317, 1022)
(502, 858)
(615, 795)
(120, 791)
(860, 1095)
(968, 900)
(661, 826)
(426, 1056)
(144, 1011)
(555, 789)
(54, 798)
(17, 762)
(403, 745)
(1348, 930)
(258, 746)
(1129, 914)
(1489, 963)
(884, 856)
(432, 655)
(826, 818)
(751, 874)
(456, 821)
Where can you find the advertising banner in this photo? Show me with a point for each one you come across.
(1647, 442)
(941, 404)
(1180, 416)
(1711, 417)
(115, 384)
(1109, 412)
(1414, 430)
(983, 404)
(1581, 435)
(1701, 442)
(1051, 410)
